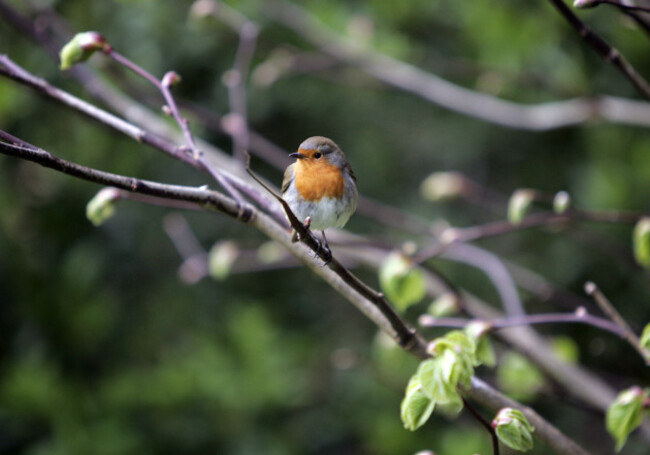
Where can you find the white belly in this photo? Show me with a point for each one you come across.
(326, 213)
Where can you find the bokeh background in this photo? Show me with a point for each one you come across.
(105, 350)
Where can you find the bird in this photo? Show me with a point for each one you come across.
(320, 186)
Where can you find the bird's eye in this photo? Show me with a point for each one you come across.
(317, 155)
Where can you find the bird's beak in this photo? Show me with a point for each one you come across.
(297, 155)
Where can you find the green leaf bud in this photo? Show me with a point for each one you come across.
(645, 340)
(442, 186)
(222, 256)
(641, 242)
(561, 202)
(519, 205)
(402, 282)
(513, 430)
(81, 47)
(102, 206)
(625, 414)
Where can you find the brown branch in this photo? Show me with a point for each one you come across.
(603, 48)
(13, 146)
(13, 71)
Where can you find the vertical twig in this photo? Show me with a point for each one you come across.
(164, 86)
(236, 122)
(606, 306)
(486, 424)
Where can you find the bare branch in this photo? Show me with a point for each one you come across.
(603, 48)
(580, 316)
(13, 146)
(486, 425)
(439, 91)
(606, 306)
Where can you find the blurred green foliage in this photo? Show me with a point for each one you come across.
(104, 350)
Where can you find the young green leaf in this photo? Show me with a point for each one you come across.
(513, 430)
(402, 282)
(416, 407)
(641, 242)
(625, 414)
(645, 339)
(484, 354)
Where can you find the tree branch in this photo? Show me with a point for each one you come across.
(606, 306)
(603, 48)
(540, 117)
(486, 425)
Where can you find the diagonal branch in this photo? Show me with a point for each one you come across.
(13, 146)
(603, 48)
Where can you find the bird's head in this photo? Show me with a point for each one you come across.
(318, 151)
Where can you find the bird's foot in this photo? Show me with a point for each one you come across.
(325, 248)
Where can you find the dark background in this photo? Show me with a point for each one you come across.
(104, 350)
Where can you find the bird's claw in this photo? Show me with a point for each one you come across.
(325, 249)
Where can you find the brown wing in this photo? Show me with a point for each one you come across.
(288, 177)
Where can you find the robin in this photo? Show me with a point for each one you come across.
(320, 186)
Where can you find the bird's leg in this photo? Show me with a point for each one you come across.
(325, 246)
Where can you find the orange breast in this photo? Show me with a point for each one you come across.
(318, 179)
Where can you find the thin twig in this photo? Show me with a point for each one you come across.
(619, 5)
(164, 86)
(451, 236)
(13, 71)
(580, 316)
(592, 290)
(603, 48)
(485, 423)
(236, 122)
